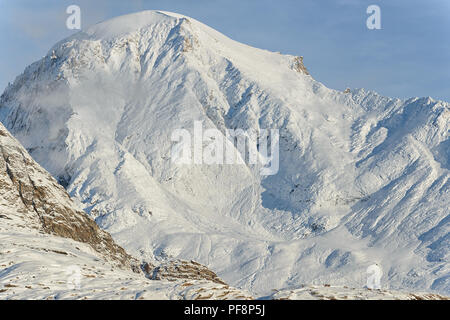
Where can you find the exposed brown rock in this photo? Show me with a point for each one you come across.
(181, 269)
(299, 66)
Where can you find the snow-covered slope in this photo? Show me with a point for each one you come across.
(51, 250)
(362, 178)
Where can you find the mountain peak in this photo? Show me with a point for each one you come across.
(122, 25)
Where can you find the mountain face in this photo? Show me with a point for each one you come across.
(51, 250)
(361, 179)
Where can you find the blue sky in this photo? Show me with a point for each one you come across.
(409, 56)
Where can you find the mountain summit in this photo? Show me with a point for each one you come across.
(362, 178)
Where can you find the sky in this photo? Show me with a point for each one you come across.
(408, 57)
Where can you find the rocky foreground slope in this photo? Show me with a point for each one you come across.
(362, 178)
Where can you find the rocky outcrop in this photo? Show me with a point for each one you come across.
(181, 269)
(299, 66)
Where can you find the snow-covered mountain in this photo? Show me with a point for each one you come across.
(362, 178)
